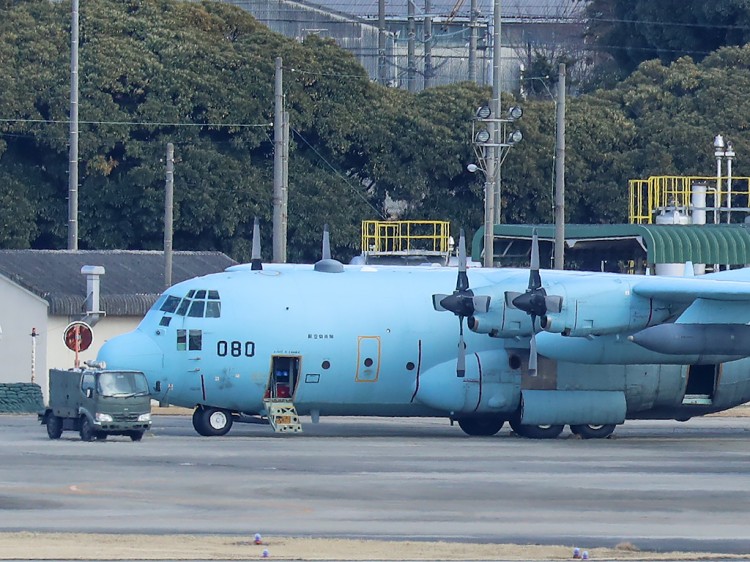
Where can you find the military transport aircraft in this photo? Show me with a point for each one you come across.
(543, 349)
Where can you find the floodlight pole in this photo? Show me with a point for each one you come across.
(492, 203)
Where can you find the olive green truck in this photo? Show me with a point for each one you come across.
(97, 403)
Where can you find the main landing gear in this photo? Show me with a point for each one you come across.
(482, 425)
(211, 422)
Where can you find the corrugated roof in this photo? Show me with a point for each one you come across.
(709, 243)
(511, 9)
(132, 282)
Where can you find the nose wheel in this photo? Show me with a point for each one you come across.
(212, 422)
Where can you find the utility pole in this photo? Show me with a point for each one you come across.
(381, 43)
(497, 108)
(73, 149)
(279, 226)
(411, 65)
(560, 172)
(473, 42)
(428, 71)
(168, 216)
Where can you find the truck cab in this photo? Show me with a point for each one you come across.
(97, 403)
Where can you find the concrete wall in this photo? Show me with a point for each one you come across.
(20, 311)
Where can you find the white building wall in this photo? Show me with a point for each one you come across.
(20, 311)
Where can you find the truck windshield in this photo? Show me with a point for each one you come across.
(122, 384)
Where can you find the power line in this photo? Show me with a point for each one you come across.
(338, 173)
(136, 123)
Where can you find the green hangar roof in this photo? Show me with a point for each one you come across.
(726, 244)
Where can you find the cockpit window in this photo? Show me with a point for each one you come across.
(196, 309)
(184, 305)
(196, 304)
(213, 309)
(170, 305)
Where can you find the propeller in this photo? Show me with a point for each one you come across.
(255, 262)
(462, 303)
(535, 302)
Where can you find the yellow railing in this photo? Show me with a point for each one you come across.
(406, 237)
(646, 197)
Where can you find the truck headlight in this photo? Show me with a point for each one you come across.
(103, 417)
(144, 417)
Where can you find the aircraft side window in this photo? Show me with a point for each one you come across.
(195, 340)
(196, 309)
(200, 295)
(181, 340)
(184, 305)
(190, 294)
(213, 295)
(170, 305)
(213, 309)
(165, 321)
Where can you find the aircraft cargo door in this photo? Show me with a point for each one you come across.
(701, 384)
(368, 358)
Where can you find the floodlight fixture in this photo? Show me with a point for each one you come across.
(515, 112)
(484, 112)
(515, 137)
(482, 136)
(472, 168)
(718, 142)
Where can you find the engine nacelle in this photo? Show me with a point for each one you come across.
(500, 320)
(604, 305)
(490, 385)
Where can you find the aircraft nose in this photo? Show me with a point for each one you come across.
(134, 351)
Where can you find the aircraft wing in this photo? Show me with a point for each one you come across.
(687, 289)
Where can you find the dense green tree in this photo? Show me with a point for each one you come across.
(633, 31)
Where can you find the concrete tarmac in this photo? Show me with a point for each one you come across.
(661, 485)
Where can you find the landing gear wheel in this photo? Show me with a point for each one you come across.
(481, 425)
(211, 422)
(87, 430)
(54, 426)
(135, 435)
(591, 431)
(537, 431)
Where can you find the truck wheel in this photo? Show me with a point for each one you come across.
(54, 426)
(87, 430)
(135, 435)
(101, 436)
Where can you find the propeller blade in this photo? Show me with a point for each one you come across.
(461, 361)
(532, 348)
(326, 244)
(255, 261)
(535, 280)
(462, 283)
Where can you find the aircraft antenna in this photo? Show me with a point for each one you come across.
(255, 261)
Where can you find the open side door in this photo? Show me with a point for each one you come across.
(701, 384)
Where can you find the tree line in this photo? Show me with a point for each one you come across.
(200, 75)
